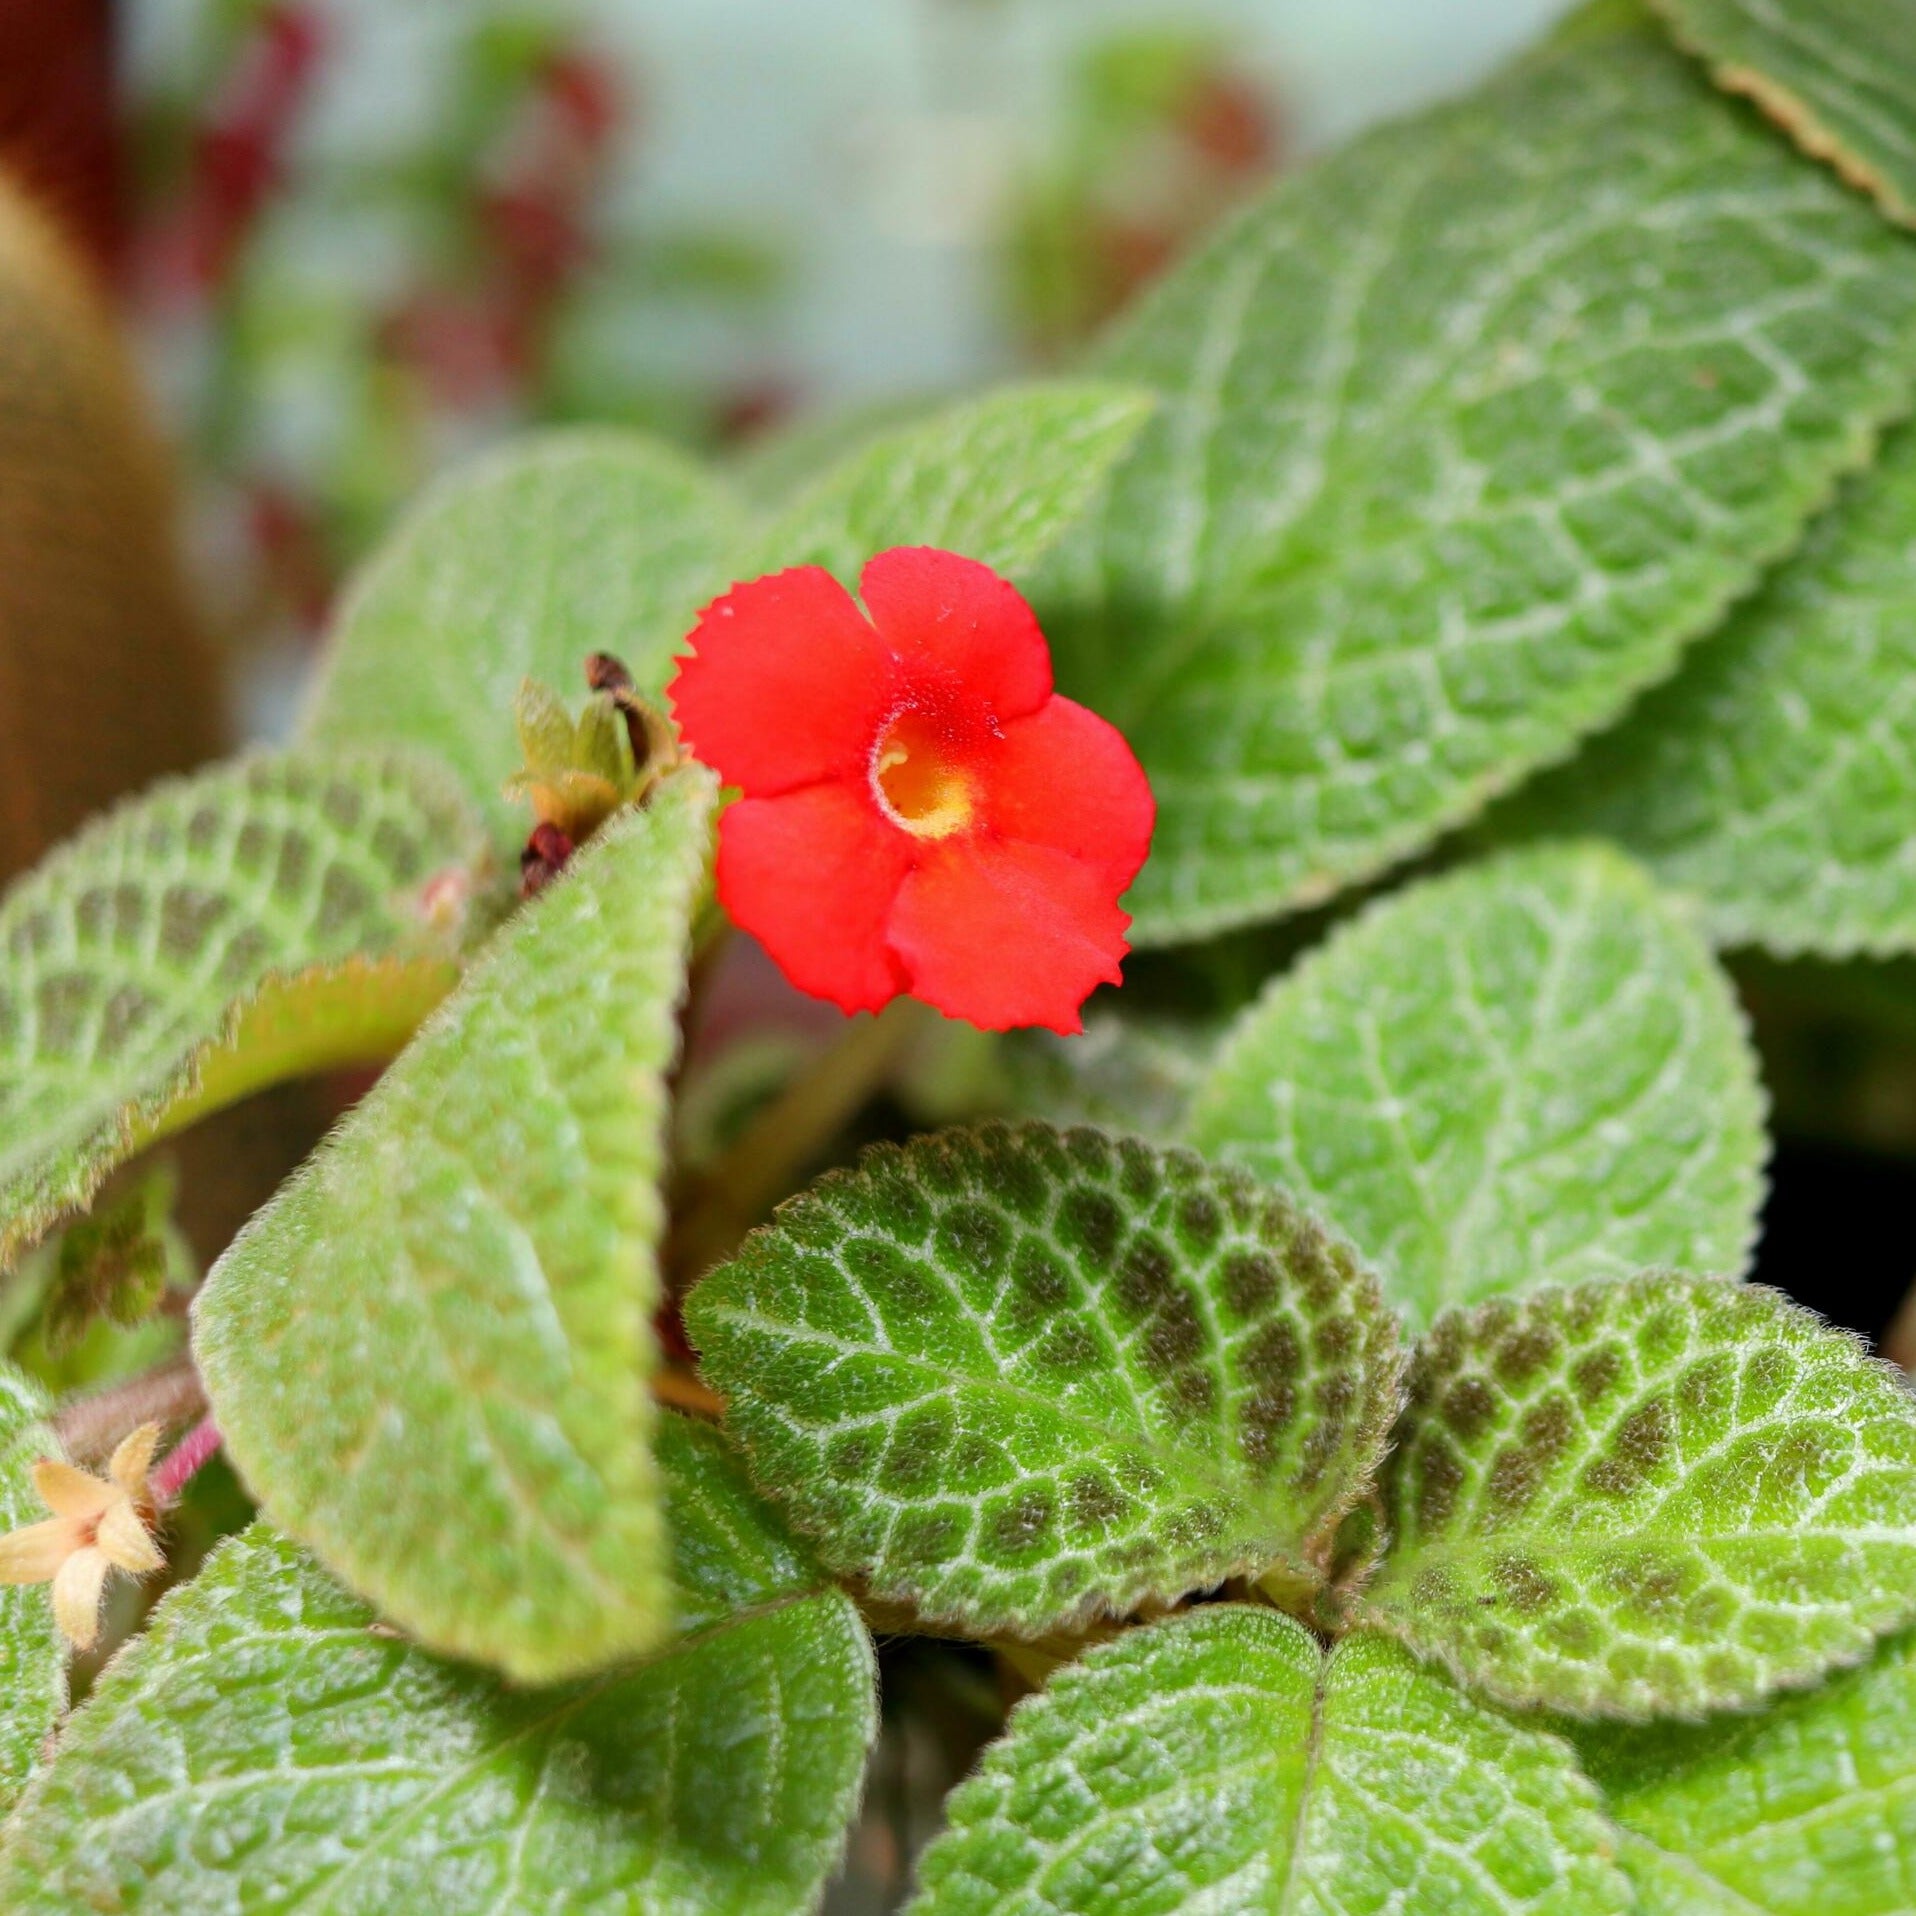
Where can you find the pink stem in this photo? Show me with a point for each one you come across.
(176, 1469)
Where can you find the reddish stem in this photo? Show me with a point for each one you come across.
(180, 1464)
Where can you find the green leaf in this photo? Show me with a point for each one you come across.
(428, 1355)
(1806, 1810)
(1650, 1496)
(115, 1265)
(1132, 1071)
(1529, 1072)
(1016, 1377)
(998, 478)
(1772, 779)
(163, 962)
(1219, 1761)
(519, 566)
(1468, 430)
(266, 1738)
(33, 1660)
(773, 467)
(1838, 76)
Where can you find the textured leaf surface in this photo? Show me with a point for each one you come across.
(1806, 1810)
(1016, 1377)
(265, 1746)
(147, 969)
(1466, 433)
(519, 566)
(33, 1660)
(1131, 1072)
(1774, 779)
(1219, 1762)
(997, 478)
(1839, 76)
(1648, 1496)
(428, 1354)
(1531, 1072)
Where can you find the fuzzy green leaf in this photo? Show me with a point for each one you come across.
(1530, 1072)
(265, 1740)
(33, 1660)
(1219, 1761)
(1650, 1496)
(520, 566)
(183, 952)
(1772, 779)
(998, 478)
(1806, 1810)
(428, 1355)
(1126, 1072)
(1839, 76)
(1463, 441)
(1017, 1377)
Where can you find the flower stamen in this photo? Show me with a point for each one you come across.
(918, 782)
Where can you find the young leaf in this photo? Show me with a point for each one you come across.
(520, 566)
(997, 478)
(428, 1355)
(1804, 1810)
(1530, 1072)
(33, 1660)
(718, 1776)
(187, 949)
(1461, 445)
(1838, 77)
(1771, 779)
(1649, 1496)
(1017, 1377)
(1219, 1761)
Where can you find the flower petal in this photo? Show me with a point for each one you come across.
(1064, 777)
(812, 876)
(70, 1492)
(787, 684)
(35, 1554)
(938, 608)
(126, 1542)
(77, 1589)
(133, 1458)
(1003, 933)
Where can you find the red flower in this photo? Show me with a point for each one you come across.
(922, 813)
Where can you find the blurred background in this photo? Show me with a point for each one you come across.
(357, 239)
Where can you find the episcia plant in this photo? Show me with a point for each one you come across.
(1325, 1387)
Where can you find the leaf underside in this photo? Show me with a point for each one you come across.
(1017, 1377)
(1462, 443)
(1839, 76)
(1529, 1072)
(1651, 1496)
(1771, 780)
(1219, 1761)
(717, 1776)
(428, 1354)
(156, 965)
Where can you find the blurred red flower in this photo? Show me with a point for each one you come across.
(921, 812)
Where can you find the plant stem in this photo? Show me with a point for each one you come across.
(769, 1157)
(184, 1461)
(683, 1391)
(169, 1394)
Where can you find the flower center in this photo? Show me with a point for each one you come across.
(920, 781)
